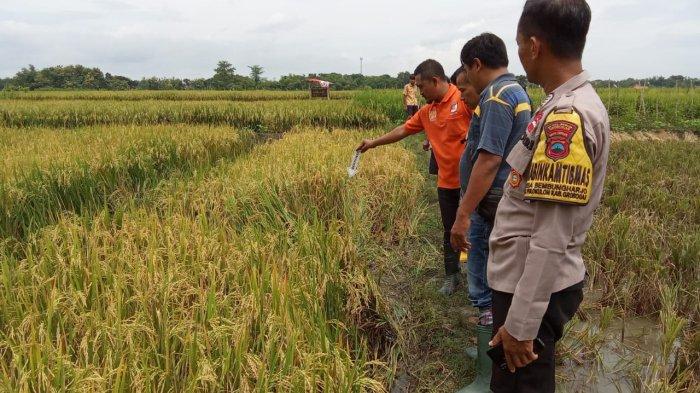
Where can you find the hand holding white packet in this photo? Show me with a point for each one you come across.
(352, 169)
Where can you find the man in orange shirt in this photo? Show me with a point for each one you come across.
(445, 120)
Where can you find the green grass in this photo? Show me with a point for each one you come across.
(669, 109)
(389, 102)
(650, 109)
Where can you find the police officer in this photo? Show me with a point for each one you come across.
(535, 268)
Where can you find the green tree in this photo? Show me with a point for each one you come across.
(256, 72)
(403, 77)
(224, 74)
(26, 77)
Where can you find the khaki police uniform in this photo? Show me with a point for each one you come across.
(554, 187)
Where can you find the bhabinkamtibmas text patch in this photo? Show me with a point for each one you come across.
(561, 169)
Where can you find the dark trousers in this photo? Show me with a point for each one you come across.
(449, 202)
(537, 376)
(432, 164)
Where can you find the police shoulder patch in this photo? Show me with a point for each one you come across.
(558, 134)
(561, 169)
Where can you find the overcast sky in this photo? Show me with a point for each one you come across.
(178, 38)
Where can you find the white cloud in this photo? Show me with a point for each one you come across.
(183, 38)
(469, 27)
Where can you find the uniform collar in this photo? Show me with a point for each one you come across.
(450, 91)
(501, 78)
(571, 84)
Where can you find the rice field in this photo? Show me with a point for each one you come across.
(173, 95)
(676, 110)
(46, 172)
(161, 243)
(246, 279)
(630, 110)
(648, 109)
(274, 116)
(642, 255)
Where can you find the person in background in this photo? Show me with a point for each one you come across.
(445, 120)
(535, 266)
(498, 123)
(410, 97)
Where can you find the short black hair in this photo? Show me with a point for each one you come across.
(413, 76)
(488, 48)
(430, 69)
(562, 24)
(455, 75)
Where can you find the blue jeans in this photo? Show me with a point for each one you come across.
(479, 232)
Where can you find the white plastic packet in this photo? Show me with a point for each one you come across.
(352, 169)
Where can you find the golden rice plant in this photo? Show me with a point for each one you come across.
(45, 172)
(251, 279)
(260, 116)
(169, 95)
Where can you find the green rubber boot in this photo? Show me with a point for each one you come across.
(482, 382)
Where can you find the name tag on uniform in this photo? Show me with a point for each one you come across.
(432, 115)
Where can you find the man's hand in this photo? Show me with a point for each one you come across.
(426, 145)
(365, 145)
(458, 234)
(518, 353)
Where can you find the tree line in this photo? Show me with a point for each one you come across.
(78, 77)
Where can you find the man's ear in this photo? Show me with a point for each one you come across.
(477, 64)
(535, 47)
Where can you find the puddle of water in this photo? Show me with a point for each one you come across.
(608, 360)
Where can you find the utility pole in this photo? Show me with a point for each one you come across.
(360, 66)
